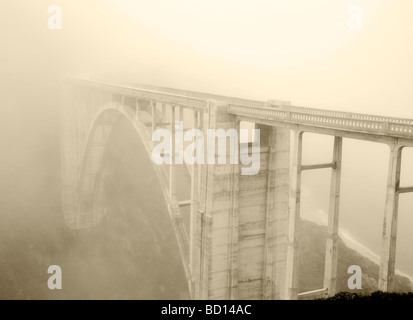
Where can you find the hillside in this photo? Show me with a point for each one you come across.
(311, 266)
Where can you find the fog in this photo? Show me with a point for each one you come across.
(299, 51)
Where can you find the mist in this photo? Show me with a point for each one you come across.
(299, 52)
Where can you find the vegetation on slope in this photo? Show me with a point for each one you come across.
(311, 264)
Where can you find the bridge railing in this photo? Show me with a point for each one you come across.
(171, 98)
(358, 122)
(329, 119)
(340, 114)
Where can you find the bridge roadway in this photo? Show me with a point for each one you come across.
(279, 112)
(241, 236)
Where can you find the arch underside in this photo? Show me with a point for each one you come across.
(88, 206)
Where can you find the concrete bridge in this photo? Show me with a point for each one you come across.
(237, 234)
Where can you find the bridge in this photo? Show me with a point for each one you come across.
(237, 234)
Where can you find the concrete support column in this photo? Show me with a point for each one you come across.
(233, 293)
(172, 169)
(330, 270)
(388, 252)
(294, 218)
(200, 125)
(193, 256)
(276, 211)
(181, 114)
(163, 112)
(268, 288)
(137, 115)
(218, 230)
(204, 210)
(153, 108)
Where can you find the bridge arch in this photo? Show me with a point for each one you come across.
(91, 159)
(90, 188)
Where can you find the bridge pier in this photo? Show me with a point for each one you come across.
(243, 226)
(294, 217)
(330, 269)
(388, 252)
(172, 168)
(277, 140)
(194, 243)
(137, 111)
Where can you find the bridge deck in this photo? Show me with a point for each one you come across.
(272, 111)
(336, 120)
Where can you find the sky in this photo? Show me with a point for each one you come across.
(294, 50)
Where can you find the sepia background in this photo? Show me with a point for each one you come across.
(298, 50)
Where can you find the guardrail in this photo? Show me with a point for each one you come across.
(159, 96)
(329, 119)
(358, 122)
(349, 115)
